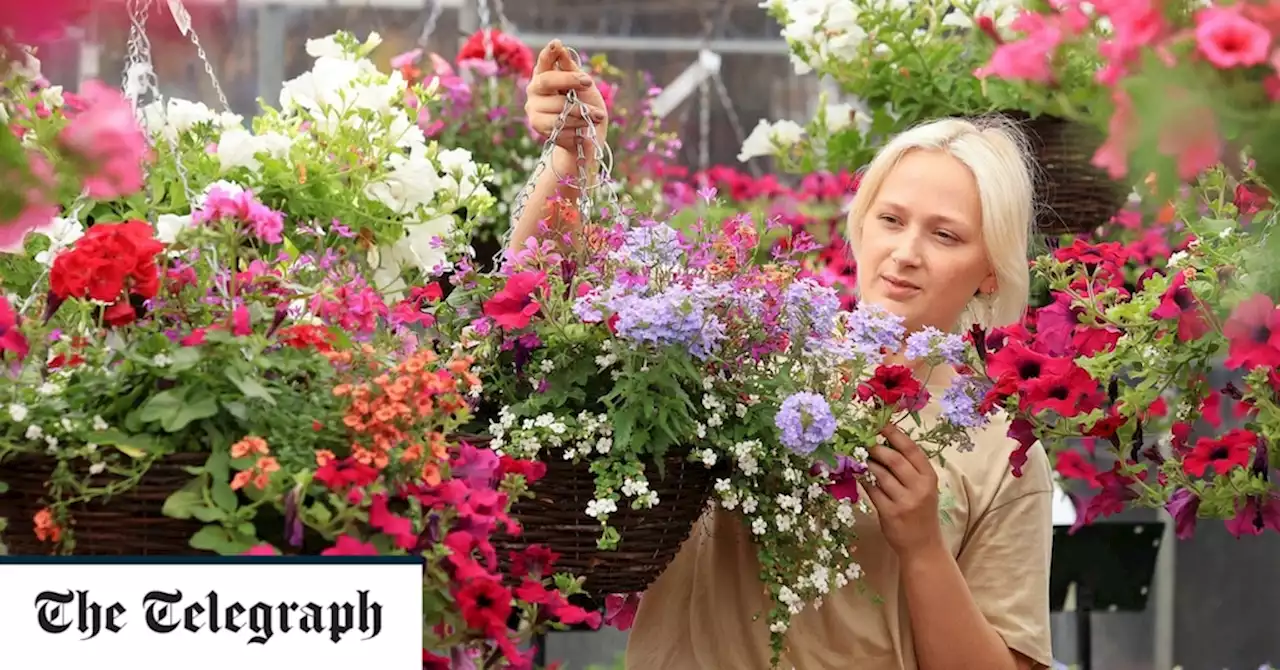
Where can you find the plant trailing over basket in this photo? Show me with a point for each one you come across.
(628, 343)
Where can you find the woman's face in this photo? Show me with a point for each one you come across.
(922, 255)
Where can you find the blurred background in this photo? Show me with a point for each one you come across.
(1213, 598)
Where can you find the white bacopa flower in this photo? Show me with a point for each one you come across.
(18, 412)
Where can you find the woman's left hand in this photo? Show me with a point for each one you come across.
(905, 494)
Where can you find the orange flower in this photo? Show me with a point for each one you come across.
(47, 530)
(249, 446)
(265, 466)
(241, 479)
(431, 474)
(324, 457)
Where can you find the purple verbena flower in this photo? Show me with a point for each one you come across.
(960, 401)
(934, 346)
(806, 421)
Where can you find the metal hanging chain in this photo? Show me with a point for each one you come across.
(602, 156)
(486, 34)
(183, 18)
(434, 9)
(139, 80)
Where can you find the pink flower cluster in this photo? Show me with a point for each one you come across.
(263, 222)
(1228, 37)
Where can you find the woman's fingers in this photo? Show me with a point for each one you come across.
(556, 82)
(548, 57)
(887, 482)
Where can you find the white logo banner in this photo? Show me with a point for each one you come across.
(213, 613)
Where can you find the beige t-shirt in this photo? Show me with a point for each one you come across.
(701, 613)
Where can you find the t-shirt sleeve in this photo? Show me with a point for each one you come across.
(1005, 559)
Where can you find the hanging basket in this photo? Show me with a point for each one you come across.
(556, 518)
(1074, 196)
(128, 524)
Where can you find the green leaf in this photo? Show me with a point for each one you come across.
(208, 514)
(182, 503)
(184, 359)
(133, 446)
(223, 496)
(221, 541)
(4, 488)
(219, 465)
(249, 386)
(200, 404)
(162, 405)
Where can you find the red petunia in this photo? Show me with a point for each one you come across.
(1255, 515)
(350, 546)
(1253, 331)
(894, 386)
(1224, 453)
(1178, 302)
(485, 605)
(1016, 361)
(515, 305)
(1066, 389)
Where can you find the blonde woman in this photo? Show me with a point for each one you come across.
(939, 229)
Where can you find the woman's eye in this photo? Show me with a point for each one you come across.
(889, 220)
(947, 237)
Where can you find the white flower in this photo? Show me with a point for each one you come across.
(18, 412)
(240, 148)
(327, 85)
(758, 526)
(412, 182)
(325, 47)
(168, 226)
(766, 138)
(97, 468)
(62, 233)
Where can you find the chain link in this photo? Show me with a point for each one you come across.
(434, 8)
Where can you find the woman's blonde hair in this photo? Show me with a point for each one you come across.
(995, 150)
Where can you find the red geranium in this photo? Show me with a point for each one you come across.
(511, 55)
(111, 264)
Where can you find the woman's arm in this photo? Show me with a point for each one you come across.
(547, 187)
(950, 631)
(974, 610)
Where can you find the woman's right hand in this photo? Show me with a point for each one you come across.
(554, 76)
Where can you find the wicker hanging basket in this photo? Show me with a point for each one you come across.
(556, 518)
(1074, 196)
(129, 524)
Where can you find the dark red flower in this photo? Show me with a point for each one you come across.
(1178, 302)
(513, 306)
(894, 386)
(1071, 465)
(1253, 331)
(1255, 515)
(1183, 506)
(1223, 453)
(535, 561)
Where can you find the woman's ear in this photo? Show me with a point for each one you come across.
(989, 285)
